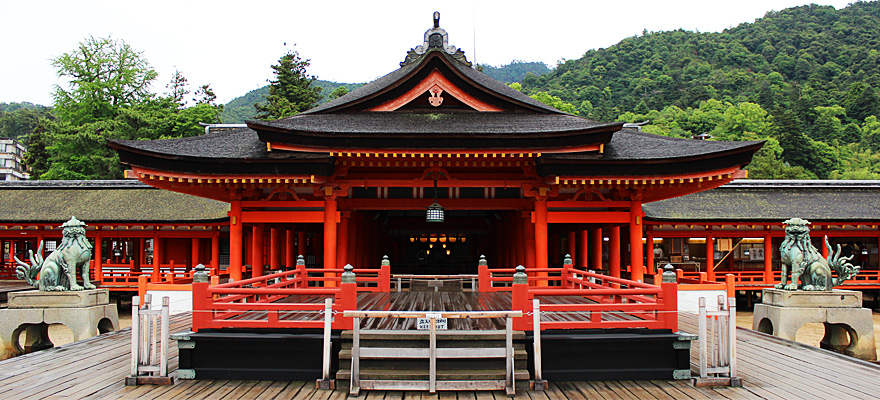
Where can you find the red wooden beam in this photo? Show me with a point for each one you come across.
(588, 217)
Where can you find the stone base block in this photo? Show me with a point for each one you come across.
(847, 330)
(67, 299)
(84, 322)
(795, 298)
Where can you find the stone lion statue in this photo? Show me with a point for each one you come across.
(809, 271)
(57, 272)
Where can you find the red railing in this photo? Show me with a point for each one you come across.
(263, 301)
(610, 302)
(257, 302)
(702, 282)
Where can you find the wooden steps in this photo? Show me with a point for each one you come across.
(465, 360)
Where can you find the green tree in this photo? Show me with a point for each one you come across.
(36, 158)
(292, 91)
(768, 164)
(91, 113)
(339, 92)
(103, 74)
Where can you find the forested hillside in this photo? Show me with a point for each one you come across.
(806, 78)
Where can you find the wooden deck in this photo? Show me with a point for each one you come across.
(7, 287)
(771, 368)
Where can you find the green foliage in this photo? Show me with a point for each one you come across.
(103, 75)
(555, 102)
(515, 71)
(806, 77)
(241, 109)
(339, 92)
(18, 120)
(74, 146)
(291, 92)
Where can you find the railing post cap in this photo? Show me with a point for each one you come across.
(300, 260)
(483, 260)
(520, 276)
(201, 274)
(669, 275)
(348, 276)
(567, 260)
(385, 261)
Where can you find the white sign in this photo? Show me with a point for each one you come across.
(425, 324)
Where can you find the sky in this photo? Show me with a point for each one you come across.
(231, 45)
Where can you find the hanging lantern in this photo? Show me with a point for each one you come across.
(433, 238)
(412, 239)
(423, 239)
(431, 246)
(435, 213)
(453, 239)
(448, 252)
(443, 237)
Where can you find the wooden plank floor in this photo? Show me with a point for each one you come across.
(771, 368)
(7, 286)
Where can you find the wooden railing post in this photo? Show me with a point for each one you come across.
(142, 289)
(730, 283)
(385, 275)
(520, 299)
(669, 311)
(347, 295)
(301, 271)
(484, 280)
(202, 306)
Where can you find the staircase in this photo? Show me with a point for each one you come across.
(465, 360)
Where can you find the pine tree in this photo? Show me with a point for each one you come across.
(291, 92)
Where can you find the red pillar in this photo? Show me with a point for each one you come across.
(99, 274)
(257, 251)
(330, 215)
(529, 229)
(635, 241)
(597, 240)
(157, 256)
(274, 249)
(301, 240)
(289, 249)
(541, 255)
(768, 258)
(710, 258)
(614, 251)
(236, 236)
(583, 243)
(342, 237)
(649, 247)
(572, 245)
(195, 253)
(215, 253)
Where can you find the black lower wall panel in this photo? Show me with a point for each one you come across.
(258, 355)
(613, 354)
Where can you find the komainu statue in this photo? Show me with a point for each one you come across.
(57, 272)
(809, 271)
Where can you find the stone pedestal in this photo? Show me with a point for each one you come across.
(849, 328)
(87, 313)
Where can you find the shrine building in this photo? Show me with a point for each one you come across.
(434, 172)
